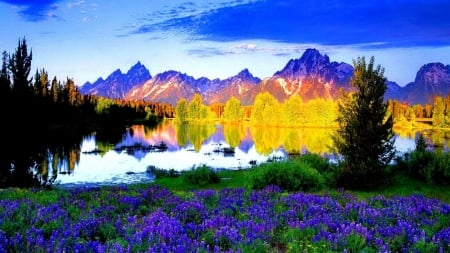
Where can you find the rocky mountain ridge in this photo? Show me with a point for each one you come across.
(311, 76)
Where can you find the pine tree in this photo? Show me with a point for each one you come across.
(364, 137)
(41, 83)
(5, 81)
(54, 90)
(71, 92)
(20, 66)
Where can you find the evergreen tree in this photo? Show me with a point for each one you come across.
(421, 144)
(41, 83)
(20, 66)
(54, 90)
(5, 81)
(364, 137)
(71, 92)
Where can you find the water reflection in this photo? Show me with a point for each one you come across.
(116, 156)
(36, 160)
(437, 139)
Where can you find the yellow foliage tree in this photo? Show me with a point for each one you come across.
(293, 113)
(266, 109)
(232, 110)
(181, 110)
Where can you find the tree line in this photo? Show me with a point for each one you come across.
(318, 112)
(266, 110)
(407, 116)
(45, 120)
(54, 102)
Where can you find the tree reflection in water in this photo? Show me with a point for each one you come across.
(35, 160)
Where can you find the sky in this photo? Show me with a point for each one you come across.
(88, 39)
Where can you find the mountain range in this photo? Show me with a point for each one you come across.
(311, 76)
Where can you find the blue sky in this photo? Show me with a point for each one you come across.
(87, 39)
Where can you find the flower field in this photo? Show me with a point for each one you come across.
(154, 219)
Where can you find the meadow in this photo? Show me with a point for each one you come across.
(184, 214)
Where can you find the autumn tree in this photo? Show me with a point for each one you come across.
(293, 111)
(181, 110)
(418, 110)
(197, 110)
(266, 109)
(320, 112)
(54, 90)
(438, 112)
(195, 107)
(364, 137)
(232, 110)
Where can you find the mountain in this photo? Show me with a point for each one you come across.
(233, 86)
(170, 86)
(311, 76)
(167, 87)
(118, 84)
(394, 91)
(432, 79)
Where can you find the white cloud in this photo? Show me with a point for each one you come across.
(75, 4)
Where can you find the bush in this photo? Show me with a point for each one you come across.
(329, 171)
(202, 176)
(431, 167)
(291, 175)
(160, 173)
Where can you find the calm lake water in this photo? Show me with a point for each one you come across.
(182, 147)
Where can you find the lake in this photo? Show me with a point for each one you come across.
(182, 147)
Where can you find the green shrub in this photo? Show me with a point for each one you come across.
(202, 176)
(428, 166)
(160, 173)
(329, 171)
(290, 175)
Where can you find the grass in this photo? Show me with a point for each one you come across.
(403, 186)
(229, 179)
(406, 186)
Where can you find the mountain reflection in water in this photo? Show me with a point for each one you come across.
(229, 146)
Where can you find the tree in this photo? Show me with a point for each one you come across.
(364, 137)
(293, 111)
(438, 112)
(196, 109)
(41, 83)
(232, 110)
(265, 109)
(54, 90)
(71, 93)
(181, 110)
(5, 82)
(20, 66)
